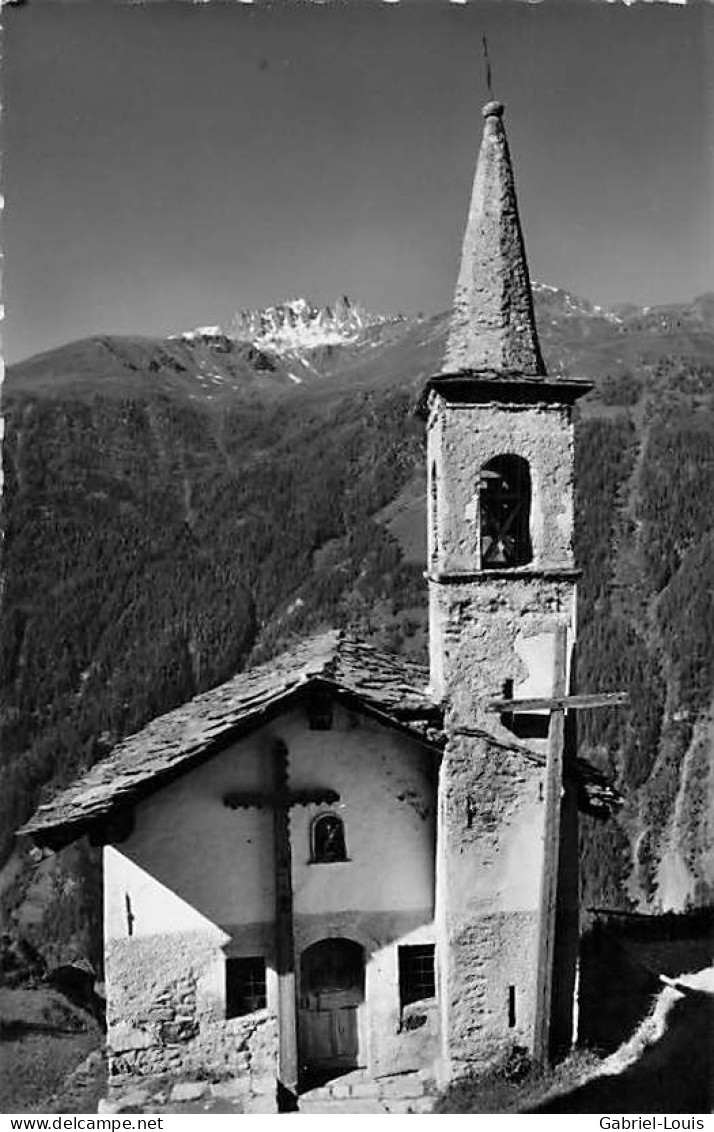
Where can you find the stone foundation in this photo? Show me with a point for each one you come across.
(166, 1093)
(493, 957)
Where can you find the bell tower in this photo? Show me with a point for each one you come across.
(502, 583)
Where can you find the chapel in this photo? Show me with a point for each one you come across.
(343, 859)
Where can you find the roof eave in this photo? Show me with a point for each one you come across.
(59, 833)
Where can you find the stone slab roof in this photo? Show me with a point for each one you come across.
(388, 687)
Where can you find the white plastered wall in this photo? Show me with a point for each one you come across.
(201, 874)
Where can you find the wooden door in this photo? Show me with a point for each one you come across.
(329, 1030)
(331, 992)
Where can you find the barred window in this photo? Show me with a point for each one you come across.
(416, 973)
(245, 985)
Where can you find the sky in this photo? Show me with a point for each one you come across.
(169, 163)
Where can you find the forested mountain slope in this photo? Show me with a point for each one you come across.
(175, 509)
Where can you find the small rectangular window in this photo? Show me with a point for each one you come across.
(416, 973)
(245, 985)
(319, 709)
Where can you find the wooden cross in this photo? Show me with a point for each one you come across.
(280, 799)
(557, 704)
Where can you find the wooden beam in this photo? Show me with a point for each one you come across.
(551, 854)
(280, 799)
(559, 703)
(284, 936)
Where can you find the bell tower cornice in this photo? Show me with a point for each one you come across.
(513, 390)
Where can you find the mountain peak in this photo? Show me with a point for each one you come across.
(295, 324)
(300, 323)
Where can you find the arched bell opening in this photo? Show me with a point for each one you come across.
(505, 513)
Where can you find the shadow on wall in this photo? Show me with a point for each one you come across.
(666, 1067)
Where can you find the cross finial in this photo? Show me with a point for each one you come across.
(487, 61)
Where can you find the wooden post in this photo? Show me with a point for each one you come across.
(551, 855)
(284, 938)
(280, 799)
(555, 934)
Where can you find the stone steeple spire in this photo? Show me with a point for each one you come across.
(493, 326)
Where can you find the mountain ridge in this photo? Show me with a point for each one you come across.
(318, 339)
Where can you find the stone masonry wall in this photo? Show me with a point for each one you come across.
(491, 822)
(462, 438)
(494, 629)
(476, 627)
(492, 811)
(166, 1014)
(488, 628)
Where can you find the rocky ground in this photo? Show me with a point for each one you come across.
(83, 1089)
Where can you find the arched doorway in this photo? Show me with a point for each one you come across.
(331, 992)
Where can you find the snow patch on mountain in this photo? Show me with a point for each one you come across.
(294, 325)
(205, 332)
(572, 305)
(299, 324)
